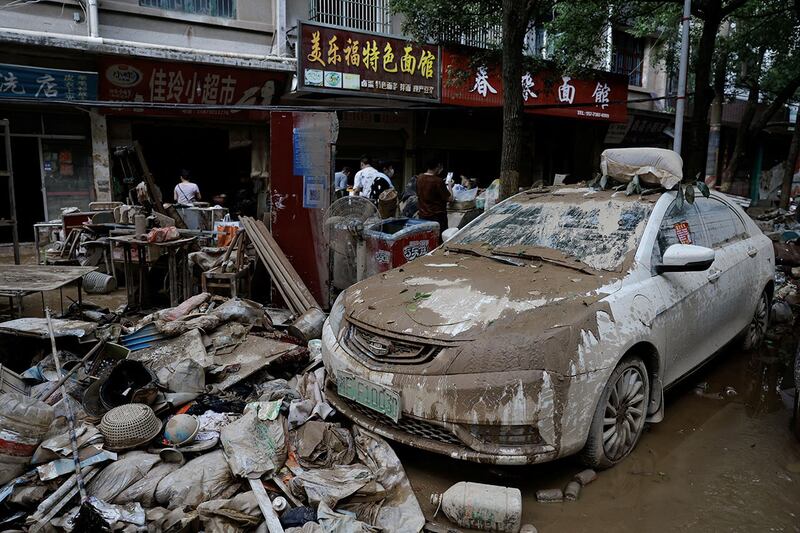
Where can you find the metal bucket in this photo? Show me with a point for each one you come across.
(99, 283)
(309, 325)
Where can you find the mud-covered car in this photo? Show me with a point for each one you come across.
(550, 325)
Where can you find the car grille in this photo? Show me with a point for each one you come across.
(415, 427)
(363, 343)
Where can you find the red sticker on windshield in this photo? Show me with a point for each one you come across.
(683, 233)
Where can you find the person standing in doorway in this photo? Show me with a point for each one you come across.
(186, 192)
(433, 194)
(382, 181)
(362, 183)
(340, 181)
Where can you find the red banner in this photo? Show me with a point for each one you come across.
(604, 93)
(144, 80)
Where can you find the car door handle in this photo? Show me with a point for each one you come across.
(752, 252)
(714, 275)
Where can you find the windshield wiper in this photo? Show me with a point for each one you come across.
(544, 259)
(477, 253)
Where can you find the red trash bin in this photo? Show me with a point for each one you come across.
(396, 241)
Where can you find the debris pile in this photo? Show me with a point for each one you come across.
(202, 416)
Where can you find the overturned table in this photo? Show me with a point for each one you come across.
(18, 281)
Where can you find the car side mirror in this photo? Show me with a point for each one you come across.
(686, 258)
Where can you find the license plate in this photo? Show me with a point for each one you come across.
(376, 397)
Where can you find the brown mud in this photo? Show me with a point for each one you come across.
(718, 462)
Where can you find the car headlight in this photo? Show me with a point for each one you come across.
(336, 315)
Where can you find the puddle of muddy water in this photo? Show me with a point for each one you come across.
(718, 462)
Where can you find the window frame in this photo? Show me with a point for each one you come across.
(744, 235)
(179, 6)
(627, 56)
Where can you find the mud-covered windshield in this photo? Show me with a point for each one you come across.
(599, 232)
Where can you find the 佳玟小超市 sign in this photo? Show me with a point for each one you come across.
(126, 79)
(35, 83)
(544, 92)
(341, 61)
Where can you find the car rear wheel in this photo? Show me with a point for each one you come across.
(619, 416)
(758, 326)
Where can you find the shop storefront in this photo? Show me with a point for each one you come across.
(224, 150)
(565, 124)
(51, 145)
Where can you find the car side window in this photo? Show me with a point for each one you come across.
(681, 225)
(722, 223)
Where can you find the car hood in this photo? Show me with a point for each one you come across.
(455, 296)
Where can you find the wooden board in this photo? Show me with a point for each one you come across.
(35, 278)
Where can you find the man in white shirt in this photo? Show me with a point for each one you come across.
(362, 183)
(186, 192)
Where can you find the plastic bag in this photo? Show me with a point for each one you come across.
(491, 195)
(24, 423)
(204, 478)
(239, 513)
(657, 167)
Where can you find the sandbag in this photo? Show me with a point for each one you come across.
(24, 423)
(144, 490)
(657, 167)
(121, 474)
(204, 478)
(230, 515)
(254, 447)
(330, 485)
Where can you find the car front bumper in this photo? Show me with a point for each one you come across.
(437, 411)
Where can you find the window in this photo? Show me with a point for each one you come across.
(365, 15)
(722, 223)
(681, 225)
(627, 56)
(213, 8)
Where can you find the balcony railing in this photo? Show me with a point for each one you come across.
(365, 15)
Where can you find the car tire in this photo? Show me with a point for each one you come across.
(620, 415)
(757, 329)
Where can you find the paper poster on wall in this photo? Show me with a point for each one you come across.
(315, 191)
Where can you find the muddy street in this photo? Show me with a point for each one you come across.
(716, 463)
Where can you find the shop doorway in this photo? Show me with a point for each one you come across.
(205, 152)
(27, 185)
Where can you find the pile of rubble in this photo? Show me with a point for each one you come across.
(199, 417)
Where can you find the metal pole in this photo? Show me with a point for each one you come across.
(680, 105)
(68, 405)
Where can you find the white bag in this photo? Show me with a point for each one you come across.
(657, 167)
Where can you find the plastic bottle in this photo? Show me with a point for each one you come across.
(479, 506)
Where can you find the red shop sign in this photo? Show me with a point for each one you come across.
(144, 80)
(604, 93)
(341, 61)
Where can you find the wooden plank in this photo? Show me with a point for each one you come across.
(36, 278)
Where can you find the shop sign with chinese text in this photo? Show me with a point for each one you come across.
(543, 92)
(341, 61)
(144, 80)
(36, 83)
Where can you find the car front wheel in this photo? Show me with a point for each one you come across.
(758, 326)
(619, 416)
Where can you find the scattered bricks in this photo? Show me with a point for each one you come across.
(585, 477)
(571, 491)
(549, 495)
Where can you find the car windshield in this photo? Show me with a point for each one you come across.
(598, 231)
